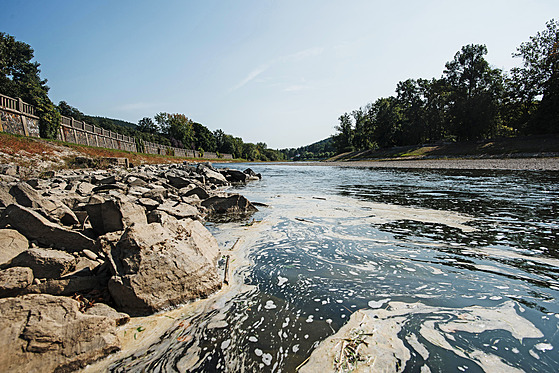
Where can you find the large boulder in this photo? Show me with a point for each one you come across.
(111, 213)
(179, 181)
(27, 196)
(44, 333)
(46, 263)
(211, 175)
(234, 176)
(12, 243)
(228, 208)
(14, 280)
(155, 268)
(195, 191)
(36, 227)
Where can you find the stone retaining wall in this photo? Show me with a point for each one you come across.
(19, 118)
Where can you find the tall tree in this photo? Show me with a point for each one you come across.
(344, 138)
(539, 77)
(476, 90)
(147, 125)
(20, 77)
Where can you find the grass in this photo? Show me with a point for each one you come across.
(18, 149)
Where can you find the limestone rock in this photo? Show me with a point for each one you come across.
(157, 194)
(44, 333)
(6, 198)
(113, 214)
(36, 227)
(179, 181)
(12, 243)
(196, 191)
(156, 269)
(101, 309)
(67, 286)
(211, 175)
(45, 263)
(229, 208)
(14, 280)
(234, 176)
(85, 188)
(179, 210)
(26, 196)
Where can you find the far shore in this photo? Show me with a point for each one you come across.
(521, 164)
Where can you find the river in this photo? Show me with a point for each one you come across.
(465, 264)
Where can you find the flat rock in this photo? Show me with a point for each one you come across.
(179, 210)
(44, 333)
(14, 280)
(36, 227)
(27, 196)
(67, 286)
(46, 263)
(101, 309)
(12, 243)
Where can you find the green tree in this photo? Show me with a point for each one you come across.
(19, 77)
(538, 77)
(179, 128)
(147, 125)
(344, 138)
(204, 138)
(475, 93)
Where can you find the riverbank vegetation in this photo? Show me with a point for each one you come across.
(470, 101)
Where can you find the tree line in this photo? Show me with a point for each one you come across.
(20, 77)
(470, 101)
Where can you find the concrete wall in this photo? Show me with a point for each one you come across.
(19, 118)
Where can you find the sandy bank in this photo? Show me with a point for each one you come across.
(526, 164)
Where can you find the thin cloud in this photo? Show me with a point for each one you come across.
(310, 52)
(296, 87)
(251, 76)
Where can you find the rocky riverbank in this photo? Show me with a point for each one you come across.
(83, 250)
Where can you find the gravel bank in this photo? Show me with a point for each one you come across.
(527, 164)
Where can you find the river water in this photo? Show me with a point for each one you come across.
(471, 256)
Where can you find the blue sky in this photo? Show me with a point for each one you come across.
(280, 72)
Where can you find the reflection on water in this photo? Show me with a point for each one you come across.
(333, 244)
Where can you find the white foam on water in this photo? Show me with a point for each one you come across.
(378, 303)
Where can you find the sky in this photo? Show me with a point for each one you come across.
(279, 72)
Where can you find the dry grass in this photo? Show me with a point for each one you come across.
(25, 151)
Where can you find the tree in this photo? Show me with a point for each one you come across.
(19, 77)
(204, 138)
(69, 111)
(179, 129)
(476, 90)
(147, 125)
(539, 77)
(344, 138)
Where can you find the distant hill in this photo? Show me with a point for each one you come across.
(322, 149)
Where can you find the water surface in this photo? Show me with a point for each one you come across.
(477, 250)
